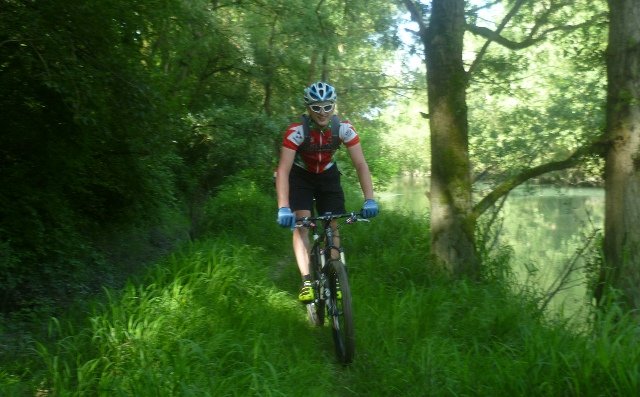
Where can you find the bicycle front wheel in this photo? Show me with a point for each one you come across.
(340, 312)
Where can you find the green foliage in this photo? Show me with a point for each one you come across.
(407, 135)
(119, 114)
(86, 146)
(242, 209)
(122, 116)
(540, 103)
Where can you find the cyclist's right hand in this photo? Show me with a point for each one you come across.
(285, 217)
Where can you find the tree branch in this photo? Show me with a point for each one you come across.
(514, 10)
(529, 41)
(562, 282)
(494, 36)
(9, 41)
(484, 6)
(597, 147)
(319, 16)
(417, 17)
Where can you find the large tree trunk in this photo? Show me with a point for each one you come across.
(452, 226)
(622, 171)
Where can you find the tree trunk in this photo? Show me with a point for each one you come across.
(622, 170)
(452, 226)
(453, 217)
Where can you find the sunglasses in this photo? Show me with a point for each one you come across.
(325, 108)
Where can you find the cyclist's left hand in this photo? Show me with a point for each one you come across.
(369, 208)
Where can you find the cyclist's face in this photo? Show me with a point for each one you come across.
(321, 112)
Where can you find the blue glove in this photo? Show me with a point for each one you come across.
(369, 209)
(285, 217)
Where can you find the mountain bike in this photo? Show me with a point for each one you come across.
(330, 282)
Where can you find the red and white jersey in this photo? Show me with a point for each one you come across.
(318, 160)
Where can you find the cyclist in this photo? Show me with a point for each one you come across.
(307, 170)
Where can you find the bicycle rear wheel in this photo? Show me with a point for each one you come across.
(315, 309)
(340, 312)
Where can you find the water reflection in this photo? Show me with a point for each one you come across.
(545, 226)
(407, 194)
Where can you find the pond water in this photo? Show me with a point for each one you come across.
(545, 226)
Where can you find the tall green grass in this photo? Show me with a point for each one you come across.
(219, 318)
(204, 323)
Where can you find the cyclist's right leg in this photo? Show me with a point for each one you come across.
(301, 244)
(301, 251)
(301, 188)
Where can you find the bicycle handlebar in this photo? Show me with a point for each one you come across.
(352, 217)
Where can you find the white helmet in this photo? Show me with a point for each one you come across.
(319, 92)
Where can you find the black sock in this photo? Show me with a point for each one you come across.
(306, 278)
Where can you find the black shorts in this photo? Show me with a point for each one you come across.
(325, 187)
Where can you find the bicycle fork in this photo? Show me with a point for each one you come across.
(322, 281)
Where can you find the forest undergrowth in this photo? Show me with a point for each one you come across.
(219, 317)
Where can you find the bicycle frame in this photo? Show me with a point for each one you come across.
(323, 244)
(330, 282)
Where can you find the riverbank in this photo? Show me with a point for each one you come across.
(552, 233)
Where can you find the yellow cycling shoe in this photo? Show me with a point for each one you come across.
(306, 294)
